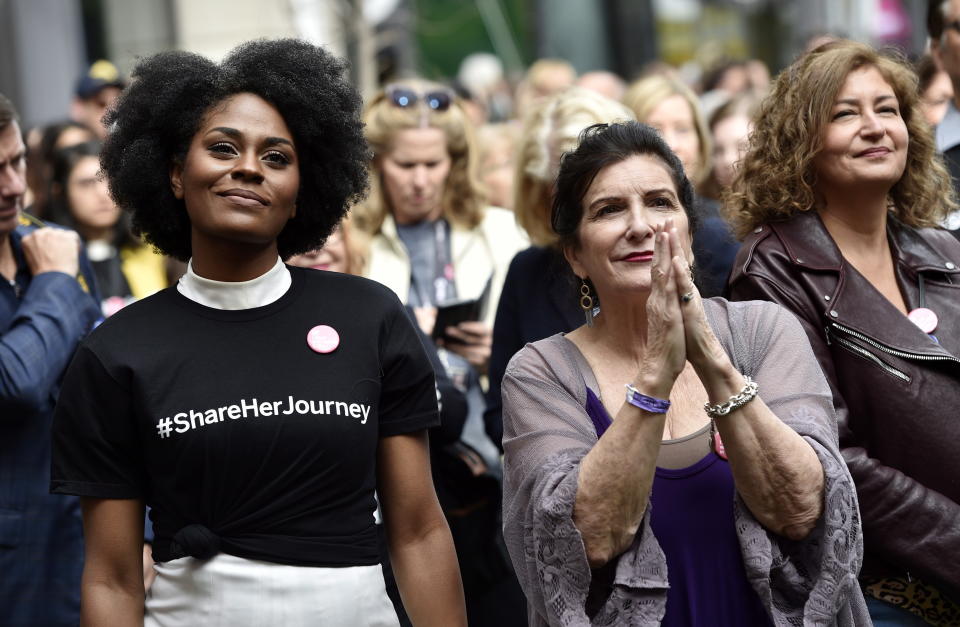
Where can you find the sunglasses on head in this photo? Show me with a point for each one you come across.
(404, 97)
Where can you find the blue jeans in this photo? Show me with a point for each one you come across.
(884, 614)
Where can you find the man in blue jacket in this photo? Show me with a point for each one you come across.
(45, 309)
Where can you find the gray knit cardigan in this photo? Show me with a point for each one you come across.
(547, 432)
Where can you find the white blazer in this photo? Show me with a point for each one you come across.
(478, 254)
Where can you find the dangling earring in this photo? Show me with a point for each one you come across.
(586, 302)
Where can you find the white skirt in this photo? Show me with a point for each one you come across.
(232, 591)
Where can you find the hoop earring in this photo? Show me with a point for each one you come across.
(586, 302)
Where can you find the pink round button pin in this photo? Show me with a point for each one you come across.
(924, 318)
(323, 339)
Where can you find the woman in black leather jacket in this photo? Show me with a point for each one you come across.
(838, 201)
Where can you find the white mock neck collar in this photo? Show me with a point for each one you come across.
(257, 292)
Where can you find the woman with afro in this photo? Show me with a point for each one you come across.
(255, 407)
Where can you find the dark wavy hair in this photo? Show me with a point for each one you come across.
(157, 116)
(59, 209)
(601, 145)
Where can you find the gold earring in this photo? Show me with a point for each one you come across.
(586, 302)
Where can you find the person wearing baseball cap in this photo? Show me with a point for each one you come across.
(96, 91)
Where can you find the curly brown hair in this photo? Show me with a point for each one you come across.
(464, 201)
(776, 177)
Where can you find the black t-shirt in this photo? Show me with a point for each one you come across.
(240, 437)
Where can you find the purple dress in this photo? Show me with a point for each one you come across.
(691, 515)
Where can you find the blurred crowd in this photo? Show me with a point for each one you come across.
(460, 222)
(706, 124)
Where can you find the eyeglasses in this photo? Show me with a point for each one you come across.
(404, 97)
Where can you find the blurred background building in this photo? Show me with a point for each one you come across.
(46, 44)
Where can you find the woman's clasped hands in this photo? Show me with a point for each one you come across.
(677, 329)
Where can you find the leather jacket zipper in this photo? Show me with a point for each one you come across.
(859, 350)
(892, 351)
(881, 347)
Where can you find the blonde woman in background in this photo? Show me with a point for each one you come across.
(434, 241)
(498, 145)
(540, 296)
(345, 250)
(669, 106)
(544, 78)
(730, 126)
(433, 237)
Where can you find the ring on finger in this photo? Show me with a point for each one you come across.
(686, 298)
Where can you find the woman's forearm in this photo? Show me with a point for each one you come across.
(428, 577)
(111, 588)
(421, 547)
(777, 473)
(106, 603)
(615, 480)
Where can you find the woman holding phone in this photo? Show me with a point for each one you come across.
(434, 239)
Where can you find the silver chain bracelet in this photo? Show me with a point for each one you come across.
(747, 394)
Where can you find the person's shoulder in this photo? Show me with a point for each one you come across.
(498, 215)
(743, 310)
(356, 290)
(501, 223)
(151, 307)
(549, 358)
(747, 318)
(139, 319)
(714, 235)
(25, 226)
(774, 243)
(706, 207)
(535, 258)
(767, 234)
(942, 241)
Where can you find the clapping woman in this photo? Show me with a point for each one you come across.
(255, 407)
(713, 491)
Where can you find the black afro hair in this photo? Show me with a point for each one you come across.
(157, 116)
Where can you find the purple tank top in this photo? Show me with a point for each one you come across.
(691, 515)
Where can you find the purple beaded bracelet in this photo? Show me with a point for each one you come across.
(646, 403)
